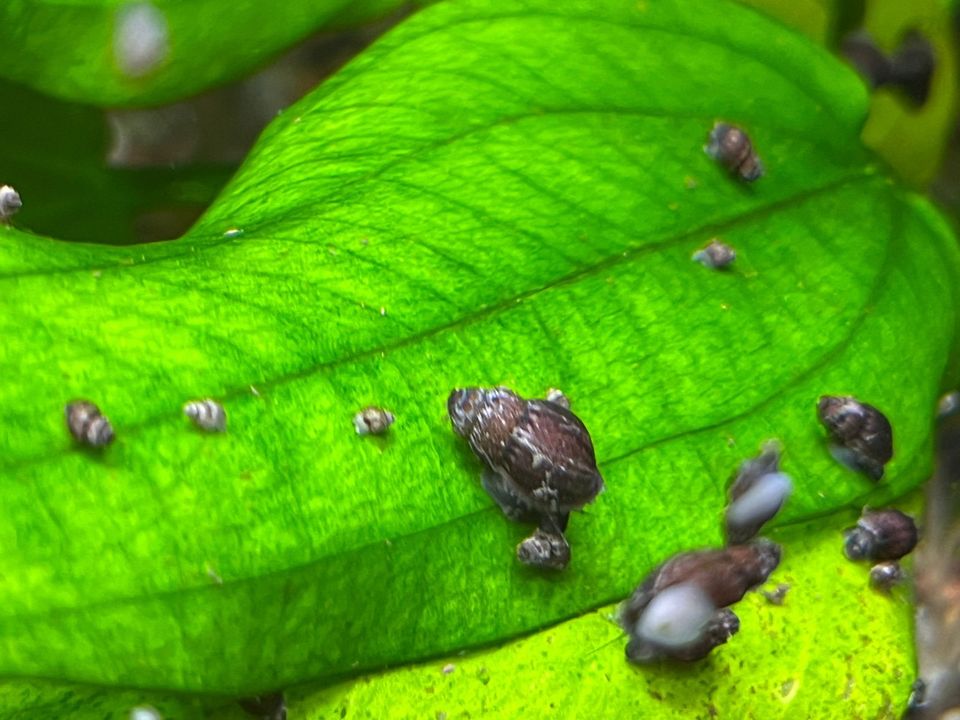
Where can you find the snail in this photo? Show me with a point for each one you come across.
(756, 495)
(266, 707)
(680, 609)
(886, 575)
(717, 255)
(732, 148)
(206, 414)
(373, 421)
(880, 535)
(87, 424)
(540, 460)
(862, 434)
(10, 202)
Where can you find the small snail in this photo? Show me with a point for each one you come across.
(716, 255)
(756, 495)
(545, 549)
(886, 575)
(679, 611)
(540, 459)
(87, 424)
(144, 712)
(732, 148)
(207, 415)
(10, 202)
(266, 707)
(373, 421)
(880, 535)
(862, 433)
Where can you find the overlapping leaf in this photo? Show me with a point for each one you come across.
(487, 196)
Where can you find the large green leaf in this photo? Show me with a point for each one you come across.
(70, 48)
(486, 196)
(833, 649)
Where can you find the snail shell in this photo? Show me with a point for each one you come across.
(724, 575)
(886, 575)
(716, 255)
(756, 495)
(207, 415)
(544, 549)
(680, 624)
(881, 535)
(542, 451)
(266, 707)
(373, 421)
(87, 424)
(10, 202)
(731, 147)
(860, 429)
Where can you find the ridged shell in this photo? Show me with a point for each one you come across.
(541, 449)
(859, 428)
(731, 147)
(87, 424)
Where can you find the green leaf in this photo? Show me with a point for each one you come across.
(834, 649)
(69, 49)
(484, 197)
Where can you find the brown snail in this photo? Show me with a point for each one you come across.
(87, 424)
(540, 460)
(756, 495)
(265, 707)
(731, 147)
(881, 535)
(694, 590)
(862, 434)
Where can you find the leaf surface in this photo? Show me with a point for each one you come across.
(484, 197)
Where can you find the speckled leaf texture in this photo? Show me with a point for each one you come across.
(489, 195)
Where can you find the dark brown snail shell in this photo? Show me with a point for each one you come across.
(541, 449)
(265, 707)
(723, 575)
(545, 549)
(881, 535)
(87, 424)
(860, 429)
(731, 147)
(886, 575)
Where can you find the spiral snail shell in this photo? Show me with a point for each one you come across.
(731, 147)
(541, 449)
(540, 463)
(689, 595)
(881, 535)
(87, 424)
(207, 415)
(861, 431)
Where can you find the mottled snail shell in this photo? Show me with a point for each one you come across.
(265, 707)
(881, 535)
(859, 428)
(373, 421)
(542, 450)
(717, 255)
(545, 550)
(207, 415)
(10, 202)
(87, 424)
(756, 495)
(725, 575)
(886, 575)
(731, 147)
